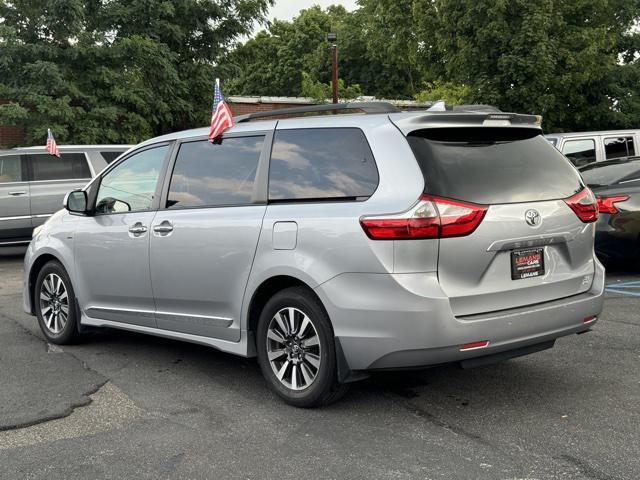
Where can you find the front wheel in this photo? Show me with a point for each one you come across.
(296, 349)
(55, 304)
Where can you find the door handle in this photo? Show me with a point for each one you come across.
(164, 227)
(17, 193)
(138, 229)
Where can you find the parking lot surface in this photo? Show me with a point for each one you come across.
(123, 405)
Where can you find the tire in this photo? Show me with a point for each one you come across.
(299, 364)
(55, 302)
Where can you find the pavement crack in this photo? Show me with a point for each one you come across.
(108, 408)
(585, 469)
(86, 400)
(422, 413)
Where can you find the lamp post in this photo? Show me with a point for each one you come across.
(333, 39)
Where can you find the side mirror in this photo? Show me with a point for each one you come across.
(76, 202)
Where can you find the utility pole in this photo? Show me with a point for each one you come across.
(333, 39)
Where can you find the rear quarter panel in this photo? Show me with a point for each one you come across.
(329, 238)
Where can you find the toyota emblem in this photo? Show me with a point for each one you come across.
(532, 217)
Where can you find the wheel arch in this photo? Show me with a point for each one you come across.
(36, 266)
(267, 289)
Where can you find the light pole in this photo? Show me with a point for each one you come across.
(333, 39)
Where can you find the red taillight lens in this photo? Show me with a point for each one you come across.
(607, 204)
(584, 205)
(432, 217)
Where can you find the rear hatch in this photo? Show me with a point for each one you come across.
(535, 241)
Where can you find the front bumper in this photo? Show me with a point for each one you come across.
(404, 320)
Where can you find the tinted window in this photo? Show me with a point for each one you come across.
(131, 185)
(67, 166)
(610, 173)
(111, 156)
(492, 165)
(321, 163)
(215, 174)
(10, 169)
(619, 147)
(580, 152)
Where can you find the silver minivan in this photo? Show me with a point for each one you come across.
(34, 183)
(330, 246)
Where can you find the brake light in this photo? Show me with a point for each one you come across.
(584, 205)
(432, 217)
(607, 204)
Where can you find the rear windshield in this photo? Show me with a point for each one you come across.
(608, 174)
(493, 165)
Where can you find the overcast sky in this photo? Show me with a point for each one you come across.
(287, 9)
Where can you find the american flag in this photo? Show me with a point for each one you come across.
(52, 147)
(221, 116)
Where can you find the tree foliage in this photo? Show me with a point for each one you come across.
(123, 70)
(573, 61)
(116, 71)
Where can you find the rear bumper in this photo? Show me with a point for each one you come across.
(404, 320)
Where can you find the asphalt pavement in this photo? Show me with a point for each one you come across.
(124, 405)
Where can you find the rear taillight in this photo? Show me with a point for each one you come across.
(432, 217)
(607, 204)
(584, 205)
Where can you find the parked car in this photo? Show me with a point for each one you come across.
(583, 148)
(616, 184)
(34, 183)
(330, 246)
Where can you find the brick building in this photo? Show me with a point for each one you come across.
(14, 136)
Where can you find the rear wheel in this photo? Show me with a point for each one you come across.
(55, 304)
(296, 349)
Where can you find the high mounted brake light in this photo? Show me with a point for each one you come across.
(584, 205)
(432, 217)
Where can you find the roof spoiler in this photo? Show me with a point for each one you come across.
(408, 124)
(366, 107)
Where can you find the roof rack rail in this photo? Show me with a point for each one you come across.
(366, 107)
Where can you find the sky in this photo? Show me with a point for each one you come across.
(287, 9)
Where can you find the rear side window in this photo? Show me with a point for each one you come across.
(209, 174)
(493, 165)
(321, 164)
(619, 147)
(110, 156)
(10, 169)
(68, 166)
(580, 152)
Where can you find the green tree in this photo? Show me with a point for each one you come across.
(558, 58)
(323, 91)
(451, 94)
(273, 62)
(117, 71)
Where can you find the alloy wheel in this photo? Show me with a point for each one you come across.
(293, 348)
(54, 303)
